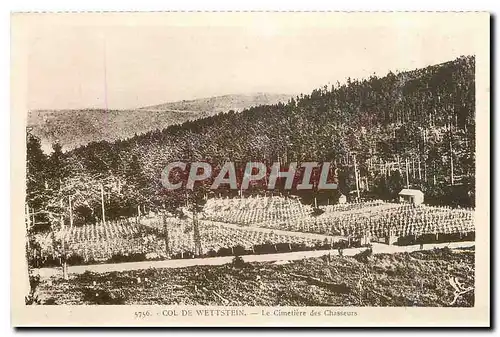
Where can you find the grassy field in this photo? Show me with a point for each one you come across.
(404, 279)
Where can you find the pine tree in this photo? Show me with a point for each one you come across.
(57, 167)
(36, 175)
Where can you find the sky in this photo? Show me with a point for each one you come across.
(123, 62)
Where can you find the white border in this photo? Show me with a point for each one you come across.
(58, 5)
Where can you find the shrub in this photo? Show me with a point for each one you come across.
(32, 297)
(102, 297)
(238, 262)
(364, 256)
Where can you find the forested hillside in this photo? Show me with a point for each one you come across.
(74, 128)
(414, 128)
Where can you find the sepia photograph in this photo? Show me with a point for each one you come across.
(209, 164)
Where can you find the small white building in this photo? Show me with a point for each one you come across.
(408, 195)
(342, 199)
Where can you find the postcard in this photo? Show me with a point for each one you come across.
(250, 169)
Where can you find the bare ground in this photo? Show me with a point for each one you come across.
(420, 278)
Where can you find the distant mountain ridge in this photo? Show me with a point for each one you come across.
(73, 128)
(222, 103)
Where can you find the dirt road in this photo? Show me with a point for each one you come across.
(118, 267)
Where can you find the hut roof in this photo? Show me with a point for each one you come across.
(409, 191)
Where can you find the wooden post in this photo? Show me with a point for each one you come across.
(28, 221)
(63, 246)
(407, 178)
(165, 230)
(425, 170)
(434, 174)
(356, 173)
(450, 134)
(452, 178)
(28, 226)
(70, 212)
(102, 205)
(196, 233)
(419, 171)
